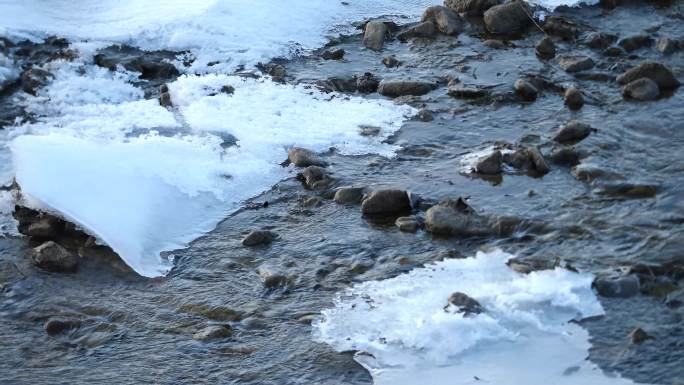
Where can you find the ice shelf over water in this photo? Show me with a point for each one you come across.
(404, 333)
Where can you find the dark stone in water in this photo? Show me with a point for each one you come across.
(338, 84)
(349, 195)
(546, 48)
(58, 325)
(633, 43)
(33, 79)
(494, 44)
(165, 100)
(301, 157)
(271, 277)
(51, 256)
(314, 178)
(655, 71)
(573, 98)
(617, 287)
(396, 88)
(465, 304)
(572, 131)
(455, 218)
(642, 89)
(213, 332)
(407, 224)
(599, 40)
(564, 155)
(638, 335)
(444, 19)
(390, 62)
(575, 63)
(508, 19)
(667, 46)
(367, 83)
(425, 29)
(460, 91)
(276, 71)
(259, 237)
(152, 65)
(526, 89)
(538, 161)
(374, 35)
(489, 164)
(628, 190)
(562, 27)
(386, 202)
(470, 7)
(333, 54)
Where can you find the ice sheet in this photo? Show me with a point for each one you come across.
(404, 334)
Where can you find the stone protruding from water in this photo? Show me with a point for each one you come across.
(259, 237)
(301, 157)
(444, 19)
(464, 304)
(508, 19)
(386, 202)
(374, 35)
(572, 131)
(51, 256)
(655, 71)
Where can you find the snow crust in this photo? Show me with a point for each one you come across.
(405, 333)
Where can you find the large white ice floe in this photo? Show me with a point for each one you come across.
(404, 335)
(145, 181)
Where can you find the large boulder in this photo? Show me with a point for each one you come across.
(53, 257)
(655, 71)
(386, 202)
(374, 35)
(455, 218)
(396, 88)
(445, 20)
(470, 7)
(508, 19)
(349, 195)
(489, 164)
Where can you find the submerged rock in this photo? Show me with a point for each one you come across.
(301, 157)
(396, 88)
(259, 237)
(508, 19)
(562, 27)
(617, 287)
(152, 65)
(494, 44)
(599, 40)
(374, 35)
(349, 195)
(407, 224)
(642, 89)
(545, 48)
(367, 83)
(572, 131)
(272, 277)
(58, 325)
(461, 91)
(165, 100)
(213, 332)
(632, 43)
(564, 155)
(390, 61)
(444, 19)
(655, 71)
(628, 190)
(667, 46)
(575, 63)
(573, 98)
(453, 217)
(470, 7)
(464, 304)
(53, 257)
(386, 202)
(538, 161)
(34, 78)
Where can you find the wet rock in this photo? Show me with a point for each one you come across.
(386, 202)
(45, 227)
(349, 195)
(538, 161)
(152, 65)
(361, 266)
(390, 61)
(633, 43)
(227, 89)
(562, 27)
(374, 35)
(51, 256)
(275, 71)
(367, 83)
(444, 19)
(33, 79)
(470, 7)
(638, 335)
(526, 89)
(573, 98)
(455, 218)
(655, 71)
(617, 287)
(675, 300)
(462, 91)
(613, 51)
(272, 277)
(507, 19)
(425, 115)
(494, 44)
(572, 131)
(165, 100)
(314, 177)
(575, 63)
(564, 155)
(337, 84)
(489, 164)
(588, 172)
(642, 89)
(628, 190)
(215, 313)
(425, 29)
(465, 304)
(333, 54)
(58, 325)
(407, 224)
(213, 332)
(545, 48)
(667, 46)
(301, 157)
(396, 88)
(369, 130)
(259, 237)
(599, 40)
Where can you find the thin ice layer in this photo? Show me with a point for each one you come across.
(243, 32)
(405, 333)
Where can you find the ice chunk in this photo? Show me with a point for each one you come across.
(404, 334)
(551, 5)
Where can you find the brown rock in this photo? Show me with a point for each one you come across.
(445, 20)
(374, 35)
(386, 202)
(642, 89)
(53, 257)
(655, 71)
(470, 7)
(573, 98)
(575, 63)
(507, 19)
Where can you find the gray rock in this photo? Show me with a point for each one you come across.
(390, 61)
(494, 44)
(386, 202)
(538, 161)
(259, 237)
(34, 78)
(396, 88)
(367, 83)
(465, 304)
(667, 46)
(562, 27)
(333, 54)
(425, 29)
(455, 218)
(461, 91)
(407, 224)
(572, 131)
(613, 51)
(374, 35)
(213, 332)
(349, 195)
(507, 19)
(642, 89)
(227, 89)
(58, 325)
(314, 178)
(276, 71)
(573, 98)
(165, 100)
(675, 300)
(628, 190)
(470, 7)
(489, 164)
(445, 20)
(526, 89)
(53, 257)
(633, 43)
(617, 287)
(545, 48)
(638, 336)
(575, 63)
(599, 40)
(272, 277)
(425, 115)
(301, 157)
(564, 155)
(655, 71)
(47, 227)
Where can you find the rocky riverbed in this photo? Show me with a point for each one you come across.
(556, 140)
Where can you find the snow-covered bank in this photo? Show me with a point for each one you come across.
(405, 334)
